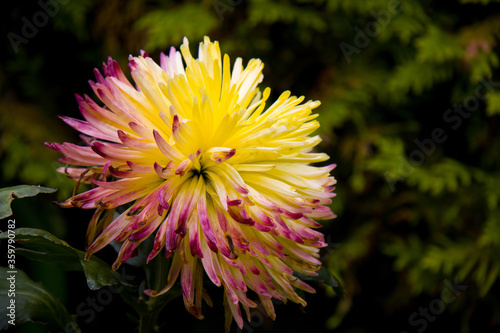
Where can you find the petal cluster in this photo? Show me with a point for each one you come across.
(221, 178)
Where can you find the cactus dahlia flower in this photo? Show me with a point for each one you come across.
(220, 179)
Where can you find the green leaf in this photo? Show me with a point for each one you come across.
(493, 104)
(42, 246)
(438, 46)
(324, 276)
(268, 12)
(418, 76)
(167, 27)
(21, 191)
(30, 302)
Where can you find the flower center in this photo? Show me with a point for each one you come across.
(198, 163)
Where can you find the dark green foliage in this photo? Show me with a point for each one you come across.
(33, 303)
(40, 245)
(21, 191)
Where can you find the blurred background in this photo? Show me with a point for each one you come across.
(410, 94)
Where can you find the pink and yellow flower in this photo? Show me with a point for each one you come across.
(222, 180)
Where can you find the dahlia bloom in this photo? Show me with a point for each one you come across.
(198, 160)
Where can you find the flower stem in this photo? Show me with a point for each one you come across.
(148, 316)
(156, 273)
(147, 321)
